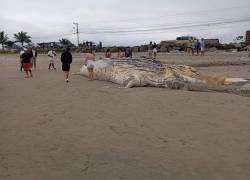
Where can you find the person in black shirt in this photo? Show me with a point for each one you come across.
(128, 52)
(154, 50)
(26, 63)
(66, 59)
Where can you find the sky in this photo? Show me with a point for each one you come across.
(125, 22)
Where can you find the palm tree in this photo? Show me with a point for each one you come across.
(22, 37)
(9, 43)
(3, 38)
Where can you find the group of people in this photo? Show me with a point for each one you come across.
(122, 53)
(196, 47)
(28, 58)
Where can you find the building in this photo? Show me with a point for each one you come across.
(186, 38)
(166, 46)
(211, 42)
(247, 36)
(46, 45)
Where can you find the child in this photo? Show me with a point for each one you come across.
(26, 63)
(52, 58)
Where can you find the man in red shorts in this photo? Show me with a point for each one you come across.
(26, 63)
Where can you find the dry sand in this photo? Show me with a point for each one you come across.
(50, 130)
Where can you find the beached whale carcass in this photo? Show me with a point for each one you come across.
(139, 72)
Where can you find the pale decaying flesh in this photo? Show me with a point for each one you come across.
(139, 72)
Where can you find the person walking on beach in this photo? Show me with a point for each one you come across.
(202, 47)
(150, 50)
(128, 52)
(52, 58)
(66, 59)
(155, 50)
(26, 63)
(34, 58)
(120, 54)
(21, 53)
(90, 63)
(197, 47)
(31, 54)
(108, 54)
(189, 47)
(193, 47)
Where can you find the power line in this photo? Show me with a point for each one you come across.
(160, 28)
(198, 12)
(153, 26)
(169, 27)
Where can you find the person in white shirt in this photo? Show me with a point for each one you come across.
(34, 58)
(52, 58)
(202, 47)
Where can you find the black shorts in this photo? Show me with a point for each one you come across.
(66, 67)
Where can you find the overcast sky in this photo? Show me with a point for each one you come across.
(51, 20)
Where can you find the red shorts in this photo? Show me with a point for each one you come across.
(27, 66)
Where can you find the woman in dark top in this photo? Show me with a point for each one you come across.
(66, 59)
(26, 63)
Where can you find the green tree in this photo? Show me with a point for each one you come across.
(22, 37)
(65, 42)
(9, 43)
(3, 38)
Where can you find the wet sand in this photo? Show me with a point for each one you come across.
(93, 130)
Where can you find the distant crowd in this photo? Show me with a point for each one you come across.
(196, 47)
(28, 57)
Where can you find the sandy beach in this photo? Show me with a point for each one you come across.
(51, 130)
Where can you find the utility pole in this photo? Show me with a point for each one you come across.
(77, 32)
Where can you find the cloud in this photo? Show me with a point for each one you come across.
(51, 20)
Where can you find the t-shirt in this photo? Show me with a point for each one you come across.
(66, 57)
(150, 47)
(26, 57)
(52, 54)
(34, 52)
(128, 52)
(202, 44)
(154, 46)
(198, 45)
